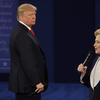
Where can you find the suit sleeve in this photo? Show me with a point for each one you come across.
(27, 56)
(86, 79)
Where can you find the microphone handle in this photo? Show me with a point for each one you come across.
(87, 58)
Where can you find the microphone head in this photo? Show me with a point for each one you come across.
(89, 58)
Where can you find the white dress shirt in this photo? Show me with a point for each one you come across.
(95, 74)
(25, 25)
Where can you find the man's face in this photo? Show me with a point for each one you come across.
(29, 17)
(97, 44)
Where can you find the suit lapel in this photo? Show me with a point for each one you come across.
(35, 40)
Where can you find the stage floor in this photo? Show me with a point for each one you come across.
(55, 91)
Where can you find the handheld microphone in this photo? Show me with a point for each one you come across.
(89, 57)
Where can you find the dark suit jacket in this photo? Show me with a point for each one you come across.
(86, 79)
(28, 62)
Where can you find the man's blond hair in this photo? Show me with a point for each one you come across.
(25, 7)
(97, 32)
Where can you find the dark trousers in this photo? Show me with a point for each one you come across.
(90, 93)
(23, 96)
(96, 92)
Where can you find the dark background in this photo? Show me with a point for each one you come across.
(74, 26)
(65, 30)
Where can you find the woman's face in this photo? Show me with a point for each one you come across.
(97, 44)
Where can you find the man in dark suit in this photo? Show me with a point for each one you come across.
(91, 76)
(28, 75)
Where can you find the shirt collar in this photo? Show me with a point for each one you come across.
(25, 25)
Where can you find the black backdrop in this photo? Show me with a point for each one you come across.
(74, 26)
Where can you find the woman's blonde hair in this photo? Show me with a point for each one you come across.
(97, 32)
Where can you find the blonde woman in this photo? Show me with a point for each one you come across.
(92, 76)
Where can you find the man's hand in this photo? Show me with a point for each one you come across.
(39, 88)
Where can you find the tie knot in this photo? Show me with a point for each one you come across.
(32, 32)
